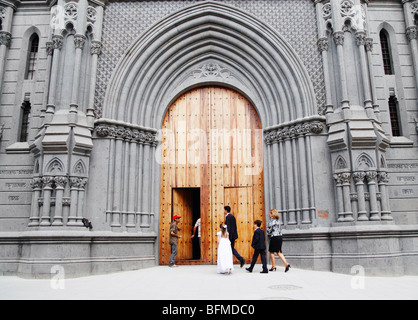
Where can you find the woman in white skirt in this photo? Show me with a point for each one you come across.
(225, 258)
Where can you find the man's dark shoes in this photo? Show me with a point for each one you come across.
(242, 263)
(249, 270)
(265, 271)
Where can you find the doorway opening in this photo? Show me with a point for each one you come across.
(186, 203)
(211, 156)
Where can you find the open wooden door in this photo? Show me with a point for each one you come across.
(212, 140)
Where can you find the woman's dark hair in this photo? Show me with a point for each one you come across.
(224, 230)
(228, 209)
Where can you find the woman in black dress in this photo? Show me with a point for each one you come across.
(274, 230)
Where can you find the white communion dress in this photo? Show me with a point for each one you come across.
(225, 258)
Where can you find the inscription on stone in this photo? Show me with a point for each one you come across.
(403, 166)
(16, 185)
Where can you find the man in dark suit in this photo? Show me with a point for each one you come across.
(231, 224)
(259, 245)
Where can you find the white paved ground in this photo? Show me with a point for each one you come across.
(202, 282)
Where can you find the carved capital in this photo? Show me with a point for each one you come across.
(60, 182)
(49, 48)
(411, 33)
(338, 38)
(361, 38)
(57, 41)
(369, 44)
(79, 41)
(323, 44)
(359, 176)
(47, 182)
(371, 176)
(383, 177)
(36, 183)
(5, 38)
(96, 47)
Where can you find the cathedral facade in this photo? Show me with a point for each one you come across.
(126, 113)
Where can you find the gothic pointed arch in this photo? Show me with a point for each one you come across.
(209, 43)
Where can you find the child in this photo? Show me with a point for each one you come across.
(225, 259)
(259, 245)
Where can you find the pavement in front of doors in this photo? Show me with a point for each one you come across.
(203, 283)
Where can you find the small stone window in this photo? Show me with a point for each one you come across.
(32, 57)
(386, 53)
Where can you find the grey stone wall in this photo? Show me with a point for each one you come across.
(125, 21)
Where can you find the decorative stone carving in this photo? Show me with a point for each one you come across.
(48, 182)
(211, 70)
(411, 33)
(338, 38)
(293, 131)
(2, 12)
(79, 41)
(36, 183)
(96, 47)
(327, 11)
(71, 10)
(49, 48)
(58, 41)
(359, 176)
(323, 44)
(126, 134)
(361, 38)
(91, 14)
(371, 176)
(369, 44)
(347, 8)
(60, 182)
(5, 38)
(414, 7)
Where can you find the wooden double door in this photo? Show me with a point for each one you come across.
(211, 157)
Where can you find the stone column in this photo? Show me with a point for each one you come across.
(6, 13)
(96, 47)
(369, 51)
(383, 180)
(359, 177)
(46, 209)
(323, 48)
(275, 161)
(79, 41)
(340, 198)
(50, 108)
(304, 180)
(36, 184)
(133, 179)
(82, 182)
(339, 41)
(368, 102)
(371, 181)
(410, 10)
(348, 213)
(72, 218)
(290, 179)
(60, 182)
(49, 51)
(118, 183)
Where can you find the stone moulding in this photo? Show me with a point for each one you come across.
(93, 253)
(105, 128)
(294, 129)
(264, 66)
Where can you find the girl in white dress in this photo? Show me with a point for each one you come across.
(225, 259)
